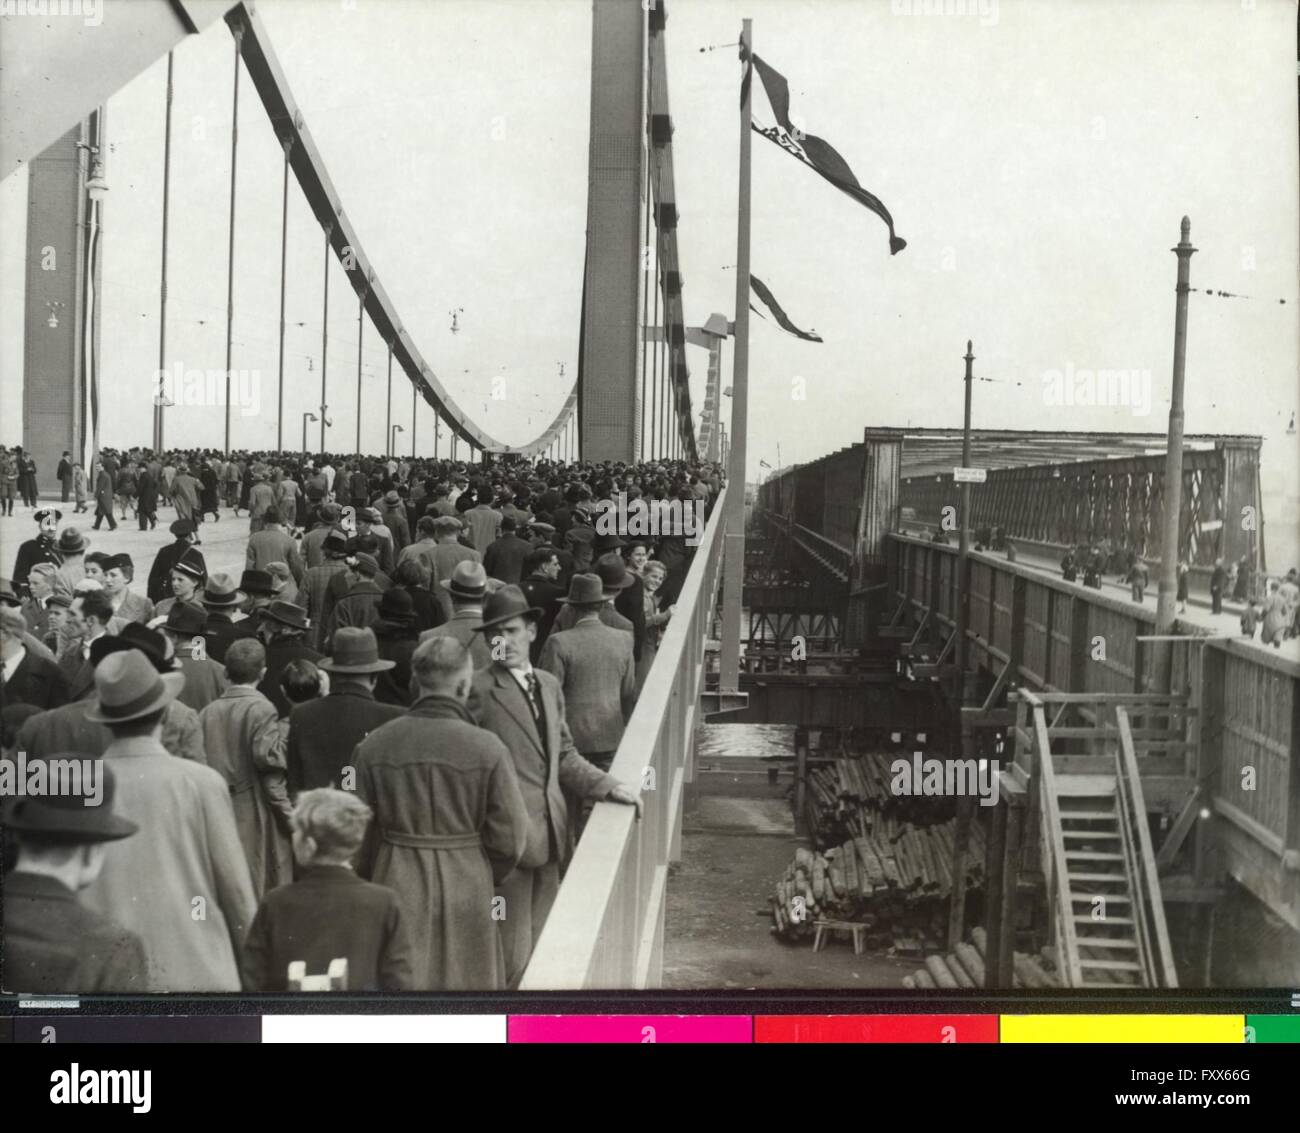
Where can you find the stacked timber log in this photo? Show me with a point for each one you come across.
(965, 968)
(879, 859)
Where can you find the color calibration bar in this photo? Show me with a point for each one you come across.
(655, 1029)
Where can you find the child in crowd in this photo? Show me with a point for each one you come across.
(329, 913)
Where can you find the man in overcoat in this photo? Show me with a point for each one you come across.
(524, 708)
(450, 823)
(187, 859)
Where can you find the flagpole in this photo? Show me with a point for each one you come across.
(734, 549)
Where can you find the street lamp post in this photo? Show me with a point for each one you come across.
(308, 416)
(392, 439)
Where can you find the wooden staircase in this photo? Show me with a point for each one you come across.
(1098, 860)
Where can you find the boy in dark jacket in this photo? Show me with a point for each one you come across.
(329, 913)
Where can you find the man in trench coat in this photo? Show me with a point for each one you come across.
(449, 824)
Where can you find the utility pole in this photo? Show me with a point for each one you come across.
(1173, 494)
(733, 556)
(965, 803)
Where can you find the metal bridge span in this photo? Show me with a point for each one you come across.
(1211, 725)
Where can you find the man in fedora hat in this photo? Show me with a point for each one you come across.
(467, 588)
(449, 825)
(282, 629)
(222, 600)
(615, 578)
(524, 707)
(180, 727)
(324, 732)
(274, 544)
(188, 574)
(71, 549)
(596, 670)
(54, 945)
(205, 679)
(119, 571)
(184, 534)
(241, 735)
(371, 523)
(187, 856)
(316, 585)
(43, 547)
(28, 678)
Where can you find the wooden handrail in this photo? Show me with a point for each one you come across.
(1148, 878)
(1060, 870)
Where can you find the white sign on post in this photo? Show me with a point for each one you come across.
(970, 475)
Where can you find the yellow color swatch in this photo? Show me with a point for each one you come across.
(1123, 1028)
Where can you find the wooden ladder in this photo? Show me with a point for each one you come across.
(1109, 914)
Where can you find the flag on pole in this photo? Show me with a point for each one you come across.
(769, 300)
(815, 152)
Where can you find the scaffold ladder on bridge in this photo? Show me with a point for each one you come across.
(1098, 860)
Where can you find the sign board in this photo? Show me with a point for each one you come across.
(970, 475)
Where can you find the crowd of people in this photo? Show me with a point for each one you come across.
(372, 750)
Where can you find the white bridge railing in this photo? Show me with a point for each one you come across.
(606, 929)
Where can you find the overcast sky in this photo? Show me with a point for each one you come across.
(1037, 157)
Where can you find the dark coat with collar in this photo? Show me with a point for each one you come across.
(280, 653)
(449, 825)
(56, 946)
(545, 760)
(160, 574)
(323, 733)
(36, 681)
(329, 913)
(220, 630)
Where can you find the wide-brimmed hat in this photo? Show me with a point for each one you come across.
(330, 511)
(396, 605)
(70, 816)
(71, 542)
(613, 573)
(370, 515)
(355, 650)
(392, 498)
(286, 613)
(221, 591)
(585, 590)
(580, 535)
(445, 523)
(128, 686)
(468, 580)
(185, 618)
(63, 601)
(191, 563)
(41, 513)
(607, 541)
(257, 583)
(151, 643)
(335, 542)
(181, 527)
(508, 602)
